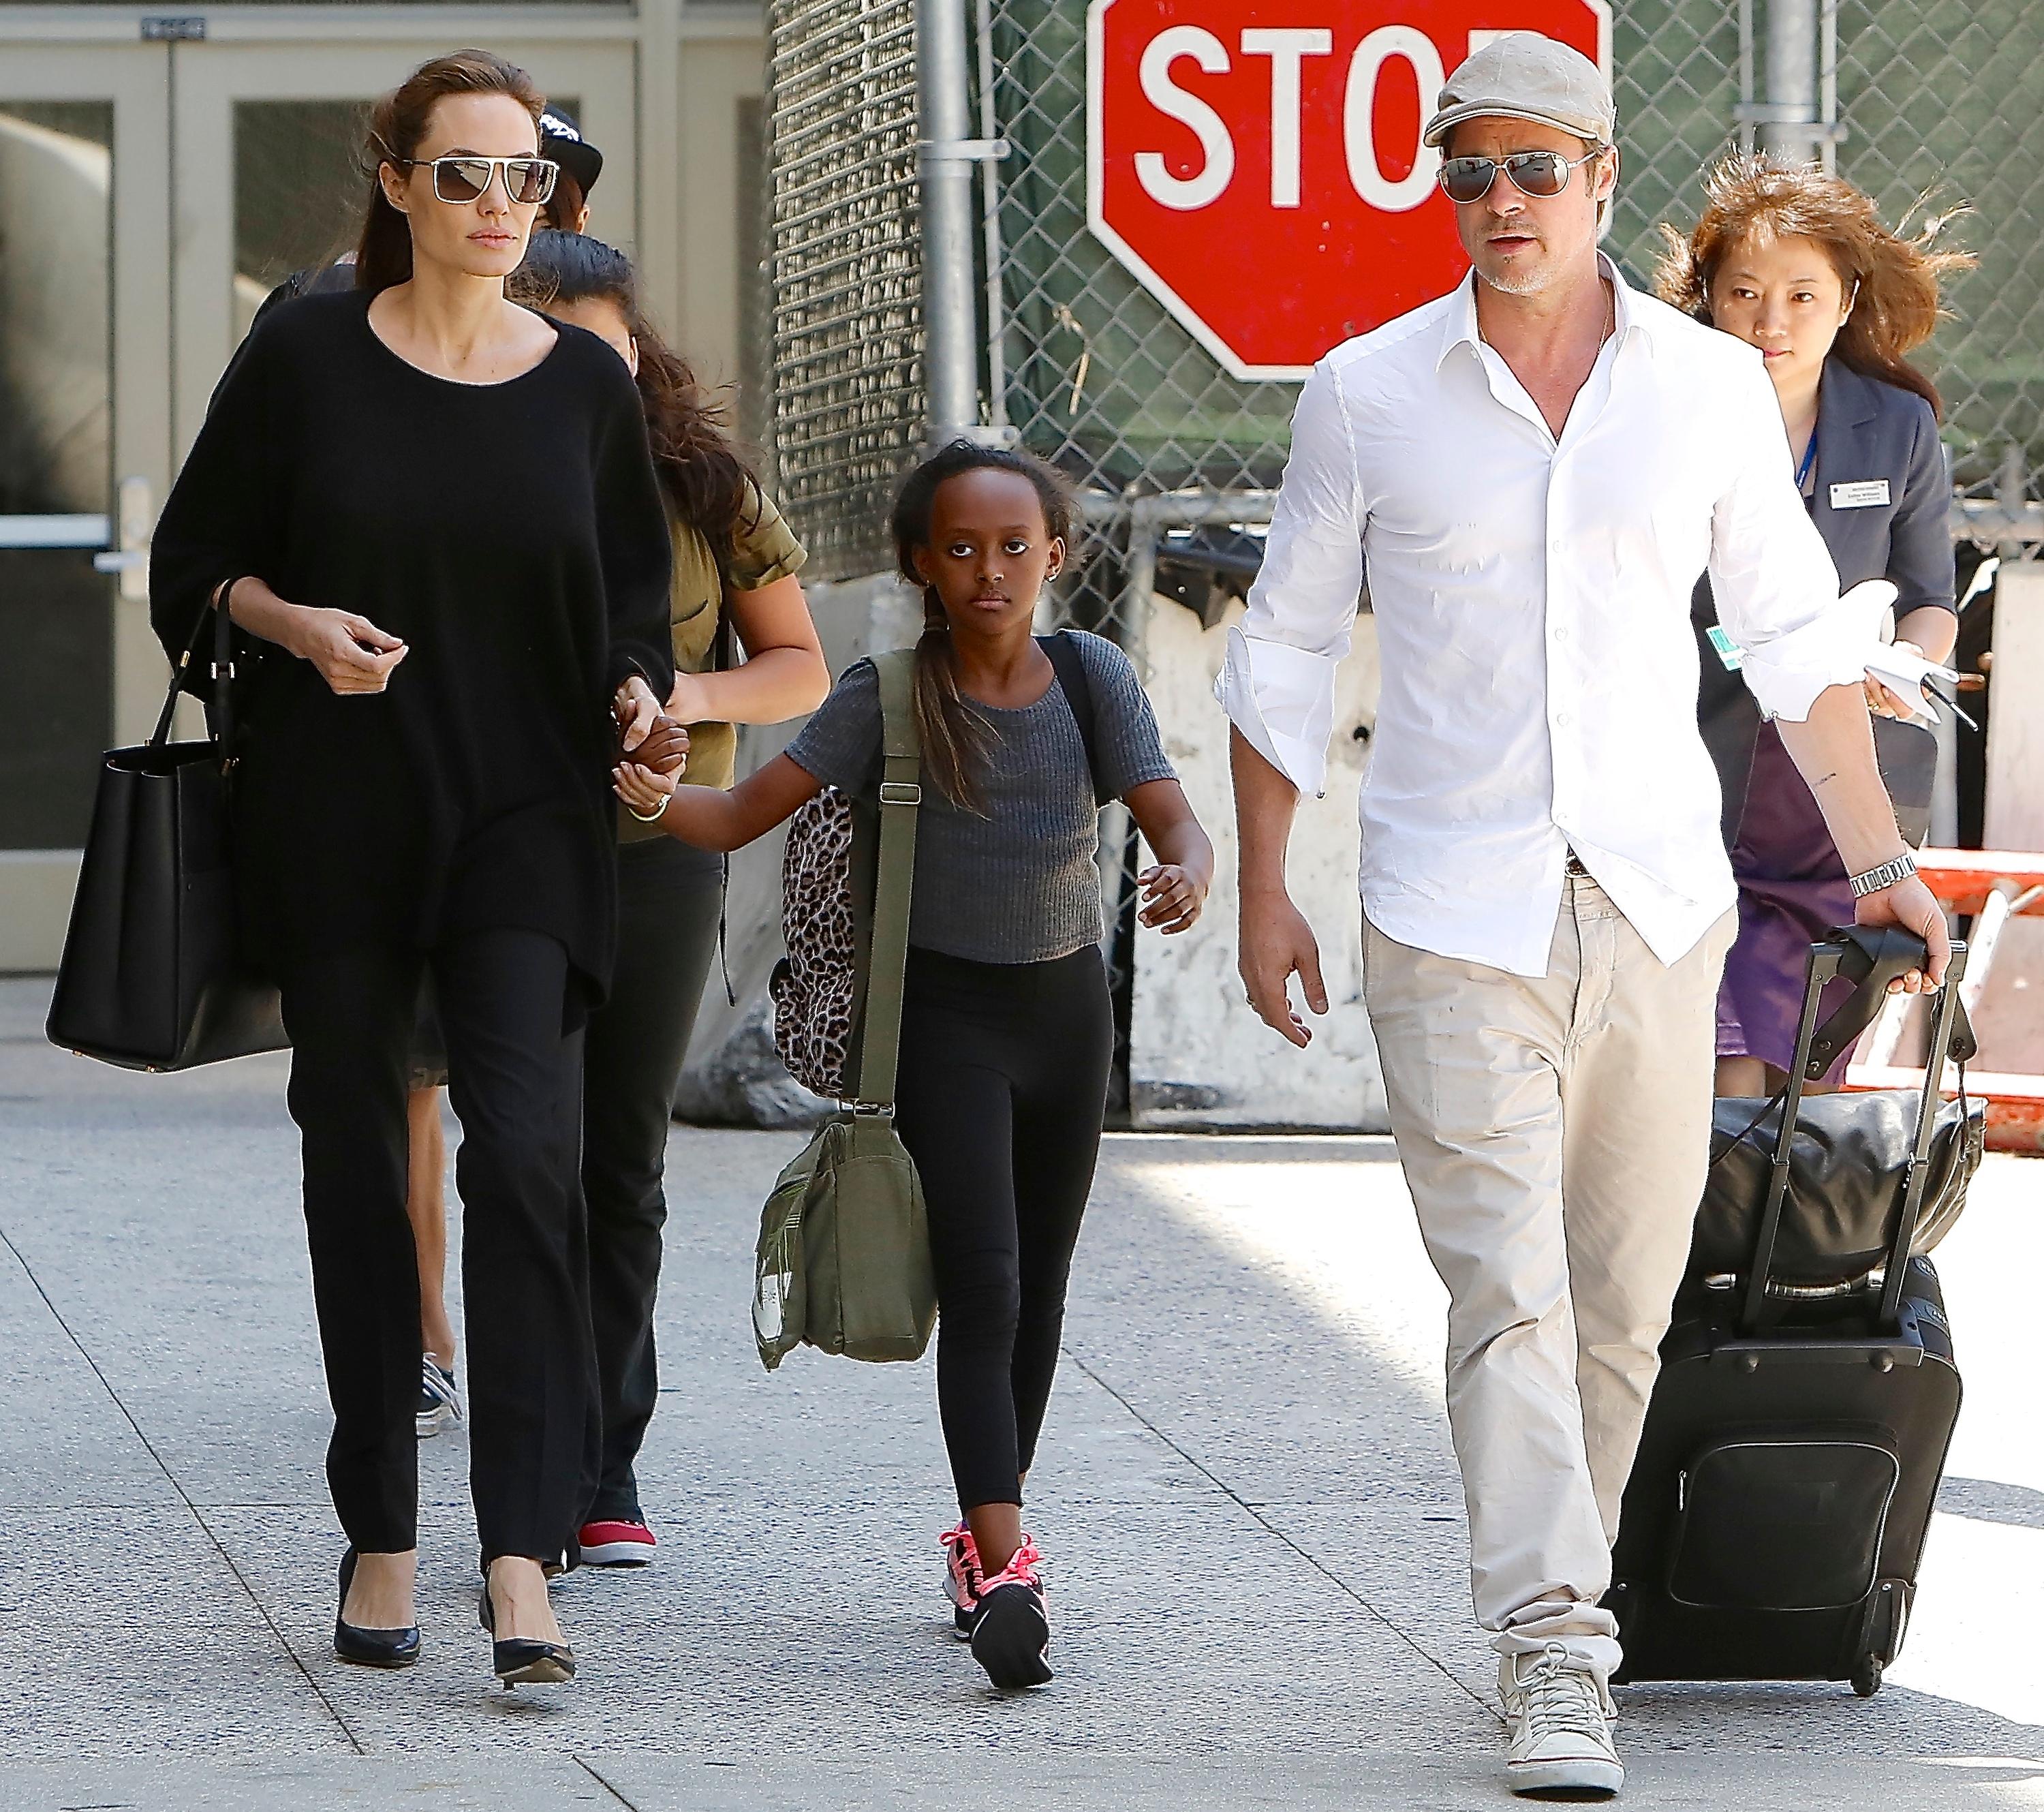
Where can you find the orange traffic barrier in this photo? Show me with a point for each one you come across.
(1992, 887)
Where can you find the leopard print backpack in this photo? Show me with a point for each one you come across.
(815, 985)
(828, 877)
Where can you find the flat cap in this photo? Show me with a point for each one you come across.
(1523, 76)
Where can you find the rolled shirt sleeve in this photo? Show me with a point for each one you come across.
(1278, 683)
(1777, 589)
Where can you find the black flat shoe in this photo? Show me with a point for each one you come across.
(370, 1648)
(517, 1660)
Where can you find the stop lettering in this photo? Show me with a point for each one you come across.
(1257, 163)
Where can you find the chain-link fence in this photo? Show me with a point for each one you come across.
(845, 269)
(1937, 98)
(1942, 101)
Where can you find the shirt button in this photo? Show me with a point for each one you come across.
(1561, 635)
(1561, 720)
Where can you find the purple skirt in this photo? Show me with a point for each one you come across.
(1791, 890)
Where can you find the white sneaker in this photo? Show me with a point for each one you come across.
(440, 1400)
(1559, 1713)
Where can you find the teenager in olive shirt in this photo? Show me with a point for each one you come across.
(734, 585)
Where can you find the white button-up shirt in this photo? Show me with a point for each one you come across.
(1532, 604)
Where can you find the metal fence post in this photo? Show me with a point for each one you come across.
(1790, 128)
(950, 308)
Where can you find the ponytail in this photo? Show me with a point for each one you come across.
(955, 738)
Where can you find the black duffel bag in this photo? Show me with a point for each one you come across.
(1851, 1155)
(152, 976)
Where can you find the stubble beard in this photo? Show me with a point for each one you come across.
(1519, 277)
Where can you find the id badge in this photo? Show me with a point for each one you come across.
(1728, 650)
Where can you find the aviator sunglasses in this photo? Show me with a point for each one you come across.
(1544, 174)
(528, 181)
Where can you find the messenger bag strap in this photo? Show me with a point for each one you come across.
(893, 881)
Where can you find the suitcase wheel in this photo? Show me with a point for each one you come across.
(1866, 1676)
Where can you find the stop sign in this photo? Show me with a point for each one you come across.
(1257, 163)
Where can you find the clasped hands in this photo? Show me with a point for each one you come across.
(653, 740)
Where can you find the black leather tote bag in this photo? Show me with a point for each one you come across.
(1852, 1184)
(152, 976)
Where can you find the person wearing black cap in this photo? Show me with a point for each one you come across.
(581, 162)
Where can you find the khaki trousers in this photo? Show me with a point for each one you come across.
(1554, 1134)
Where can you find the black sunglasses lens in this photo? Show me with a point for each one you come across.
(460, 179)
(1468, 179)
(530, 180)
(1542, 173)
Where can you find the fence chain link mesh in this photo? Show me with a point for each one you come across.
(1937, 98)
(1942, 101)
(846, 269)
(1942, 98)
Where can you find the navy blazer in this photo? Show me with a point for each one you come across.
(1869, 432)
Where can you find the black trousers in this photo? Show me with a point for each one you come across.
(515, 1084)
(1000, 1095)
(669, 899)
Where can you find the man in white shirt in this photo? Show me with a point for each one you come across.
(1537, 467)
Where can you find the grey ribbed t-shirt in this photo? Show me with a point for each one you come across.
(1018, 885)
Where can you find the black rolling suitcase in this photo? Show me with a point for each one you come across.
(1776, 1513)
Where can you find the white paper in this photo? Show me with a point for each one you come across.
(1901, 670)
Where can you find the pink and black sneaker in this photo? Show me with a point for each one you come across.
(1011, 1630)
(961, 1576)
(616, 1541)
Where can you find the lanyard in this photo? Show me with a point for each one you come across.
(1809, 460)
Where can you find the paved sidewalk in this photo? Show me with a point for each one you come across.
(1246, 1493)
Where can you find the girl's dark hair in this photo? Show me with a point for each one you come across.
(398, 126)
(565, 204)
(1893, 281)
(955, 738)
(711, 487)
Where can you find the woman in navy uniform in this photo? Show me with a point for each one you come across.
(1798, 264)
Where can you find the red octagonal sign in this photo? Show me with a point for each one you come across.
(1257, 163)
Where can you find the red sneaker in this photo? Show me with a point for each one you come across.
(962, 1577)
(616, 1542)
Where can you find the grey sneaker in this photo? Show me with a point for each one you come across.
(440, 1400)
(1559, 1714)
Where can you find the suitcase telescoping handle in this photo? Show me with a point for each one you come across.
(1870, 957)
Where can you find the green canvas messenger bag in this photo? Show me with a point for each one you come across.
(844, 1241)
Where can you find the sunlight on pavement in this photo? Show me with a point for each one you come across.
(1341, 1236)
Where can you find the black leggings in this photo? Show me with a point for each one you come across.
(668, 899)
(515, 1085)
(1002, 1088)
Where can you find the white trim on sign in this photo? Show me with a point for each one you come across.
(1140, 269)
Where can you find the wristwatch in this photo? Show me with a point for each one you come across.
(1872, 880)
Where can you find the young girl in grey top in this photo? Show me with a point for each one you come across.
(1007, 1031)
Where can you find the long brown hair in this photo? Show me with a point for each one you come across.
(398, 126)
(1893, 281)
(956, 739)
(710, 485)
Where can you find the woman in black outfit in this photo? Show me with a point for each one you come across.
(437, 514)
